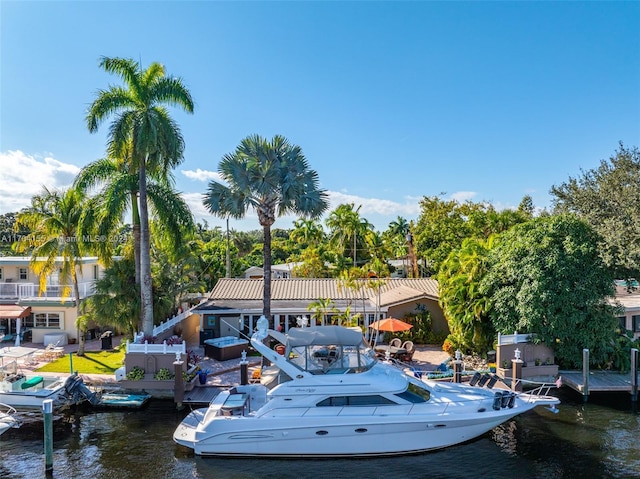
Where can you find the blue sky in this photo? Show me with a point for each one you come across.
(390, 101)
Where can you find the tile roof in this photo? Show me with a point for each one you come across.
(392, 291)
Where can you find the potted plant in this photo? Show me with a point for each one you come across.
(202, 376)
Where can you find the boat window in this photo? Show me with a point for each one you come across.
(370, 400)
(415, 394)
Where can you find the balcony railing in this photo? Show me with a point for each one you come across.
(32, 292)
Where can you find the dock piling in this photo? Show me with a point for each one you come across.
(585, 374)
(634, 374)
(47, 409)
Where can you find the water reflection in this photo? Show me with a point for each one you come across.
(583, 440)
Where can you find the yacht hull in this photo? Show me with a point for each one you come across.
(333, 436)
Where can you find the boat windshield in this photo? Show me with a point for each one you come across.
(332, 358)
(415, 394)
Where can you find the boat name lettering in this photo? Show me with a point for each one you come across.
(305, 390)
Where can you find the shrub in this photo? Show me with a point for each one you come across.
(136, 374)
(163, 374)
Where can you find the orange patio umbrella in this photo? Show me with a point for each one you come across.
(392, 325)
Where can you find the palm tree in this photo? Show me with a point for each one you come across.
(346, 227)
(272, 177)
(320, 308)
(54, 219)
(142, 125)
(307, 232)
(118, 194)
(112, 303)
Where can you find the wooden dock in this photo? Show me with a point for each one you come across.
(201, 396)
(586, 381)
(599, 381)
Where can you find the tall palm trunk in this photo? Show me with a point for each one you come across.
(135, 226)
(266, 306)
(81, 335)
(146, 294)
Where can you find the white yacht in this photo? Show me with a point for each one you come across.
(334, 398)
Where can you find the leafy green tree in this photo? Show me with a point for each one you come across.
(10, 234)
(114, 303)
(312, 264)
(443, 225)
(546, 277)
(143, 126)
(465, 307)
(608, 198)
(54, 218)
(212, 257)
(347, 231)
(272, 177)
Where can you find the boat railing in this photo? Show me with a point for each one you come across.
(537, 389)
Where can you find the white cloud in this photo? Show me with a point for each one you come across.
(201, 175)
(23, 176)
(462, 196)
(410, 207)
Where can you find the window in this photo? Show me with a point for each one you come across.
(23, 273)
(415, 394)
(96, 274)
(622, 322)
(373, 400)
(0, 274)
(43, 320)
(635, 320)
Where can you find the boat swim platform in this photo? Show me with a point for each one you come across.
(201, 395)
(598, 382)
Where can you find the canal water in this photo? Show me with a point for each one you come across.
(599, 439)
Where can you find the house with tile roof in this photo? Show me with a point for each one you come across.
(235, 305)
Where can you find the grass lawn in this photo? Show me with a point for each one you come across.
(93, 362)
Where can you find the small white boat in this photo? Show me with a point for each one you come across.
(334, 398)
(8, 418)
(26, 390)
(29, 392)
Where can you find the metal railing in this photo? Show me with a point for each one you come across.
(32, 291)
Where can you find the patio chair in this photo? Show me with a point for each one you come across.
(395, 342)
(410, 348)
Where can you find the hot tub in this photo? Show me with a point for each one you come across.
(227, 347)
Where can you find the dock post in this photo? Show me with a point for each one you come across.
(244, 369)
(585, 374)
(516, 377)
(178, 383)
(457, 368)
(47, 409)
(634, 374)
